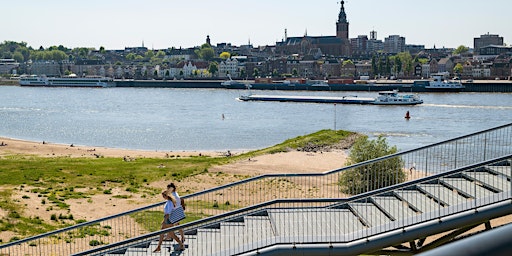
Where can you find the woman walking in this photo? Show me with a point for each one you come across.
(174, 205)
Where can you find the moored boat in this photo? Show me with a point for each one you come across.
(439, 84)
(66, 81)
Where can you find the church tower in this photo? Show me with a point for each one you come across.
(342, 24)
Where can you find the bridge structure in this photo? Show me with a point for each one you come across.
(445, 188)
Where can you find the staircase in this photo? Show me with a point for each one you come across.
(462, 181)
(380, 214)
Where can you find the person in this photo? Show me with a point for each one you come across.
(173, 201)
(179, 202)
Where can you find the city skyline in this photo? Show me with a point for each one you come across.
(163, 23)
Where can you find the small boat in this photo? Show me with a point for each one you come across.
(393, 98)
(66, 81)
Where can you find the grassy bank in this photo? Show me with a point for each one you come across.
(54, 180)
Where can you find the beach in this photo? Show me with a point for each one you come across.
(289, 162)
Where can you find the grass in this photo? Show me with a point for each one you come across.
(57, 179)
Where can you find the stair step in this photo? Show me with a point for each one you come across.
(491, 180)
(443, 193)
(503, 170)
(370, 213)
(395, 207)
(468, 187)
(418, 200)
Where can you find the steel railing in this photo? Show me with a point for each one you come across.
(342, 221)
(374, 174)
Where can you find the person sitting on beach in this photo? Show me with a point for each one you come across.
(173, 201)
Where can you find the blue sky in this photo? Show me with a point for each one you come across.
(116, 24)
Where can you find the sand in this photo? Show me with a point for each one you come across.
(102, 205)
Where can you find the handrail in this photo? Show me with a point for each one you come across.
(250, 210)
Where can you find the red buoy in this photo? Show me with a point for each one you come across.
(407, 116)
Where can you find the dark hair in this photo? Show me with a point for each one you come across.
(171, 185)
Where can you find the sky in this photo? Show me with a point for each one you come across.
(161, 24)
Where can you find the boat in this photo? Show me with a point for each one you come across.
(232, 84)
(393, 98)
(384, 98)
(439, 84)
(66, 81)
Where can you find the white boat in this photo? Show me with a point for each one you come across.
(67, 81)
(393, 98)
(440, 84)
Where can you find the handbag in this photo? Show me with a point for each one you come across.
(177, 214)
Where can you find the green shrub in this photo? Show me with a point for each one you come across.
(371, 176)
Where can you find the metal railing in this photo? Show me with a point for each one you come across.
(370, 175)
(334, 222)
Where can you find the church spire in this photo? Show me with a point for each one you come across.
(342, 17)
(342, 24)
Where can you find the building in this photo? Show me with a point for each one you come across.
(495, 50)
(445, 65)
(8, 66)
(338, 45)
(229, 67)
(485, 40)
(373, 45)
(359, 45)
(46, 67)
(394, 44)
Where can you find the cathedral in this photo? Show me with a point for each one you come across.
(338, 46)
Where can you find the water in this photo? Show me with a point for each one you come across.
(192, 119)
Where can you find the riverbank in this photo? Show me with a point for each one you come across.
(49, 149)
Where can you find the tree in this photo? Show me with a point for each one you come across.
(18, 56)
(275, 73)
(371, 176)
(458, 69)
(295, 72)
(225, 55)
(205, 52)
(347, 62)
(149, 54)
(461, 49)
(213, 68)
(256, 72)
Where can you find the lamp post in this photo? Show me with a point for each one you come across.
(334, 117)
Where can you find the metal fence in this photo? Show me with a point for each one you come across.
(244, 195)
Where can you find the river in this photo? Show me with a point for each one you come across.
(212, 119)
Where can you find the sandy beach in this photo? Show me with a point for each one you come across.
(49, 149)
(290, 162)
